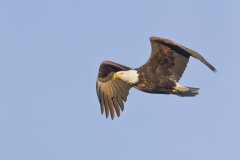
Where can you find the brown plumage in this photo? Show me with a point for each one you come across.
(111, 93)
(159, 74)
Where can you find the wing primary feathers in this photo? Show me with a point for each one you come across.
(106, 105)
(113, 87)
(108, 98)
(116, 106)
(111, 107)
(198, 56)
(120, 102)
(97, 89)
(109, 87)
(203, 60)
(98, 94)
(101, 102)
(118, 88)
(111, 95)
(121, 90)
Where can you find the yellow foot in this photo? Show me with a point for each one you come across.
(174, 91)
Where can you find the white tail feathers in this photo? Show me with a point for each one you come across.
(189, 92)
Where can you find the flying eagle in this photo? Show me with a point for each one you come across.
(160, 74)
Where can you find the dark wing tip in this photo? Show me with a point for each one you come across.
(214, 69)
(207, 63)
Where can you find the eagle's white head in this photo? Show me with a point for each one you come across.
(130, 76)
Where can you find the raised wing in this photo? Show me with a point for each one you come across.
(111, 93)
(171, 57)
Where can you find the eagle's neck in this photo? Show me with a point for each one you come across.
(130, 76)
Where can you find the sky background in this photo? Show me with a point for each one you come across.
(50, 51)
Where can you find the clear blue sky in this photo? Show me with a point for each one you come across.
(49, 58)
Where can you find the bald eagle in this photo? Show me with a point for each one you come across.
(160, 74)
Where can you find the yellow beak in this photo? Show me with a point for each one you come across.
(115, 76)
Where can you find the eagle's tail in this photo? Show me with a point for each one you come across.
(190, 93)
(184, 91)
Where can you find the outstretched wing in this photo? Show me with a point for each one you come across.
(171, 57)
(111, 93)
